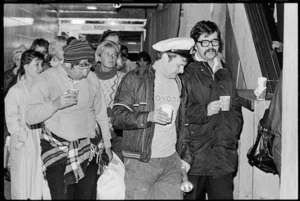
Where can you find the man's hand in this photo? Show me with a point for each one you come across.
(213, 108)
(109, 153)
(185, 165)
(65, 100)
(158, 116)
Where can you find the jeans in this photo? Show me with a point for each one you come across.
(85, 189)
(217, 188)
(158, 179)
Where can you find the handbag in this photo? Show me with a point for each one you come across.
(260, 154)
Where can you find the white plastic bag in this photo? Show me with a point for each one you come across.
(110, 185)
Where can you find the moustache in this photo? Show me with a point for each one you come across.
(213, 50)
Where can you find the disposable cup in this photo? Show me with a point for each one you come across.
(167, 109)
(225, 103)
(73, 91)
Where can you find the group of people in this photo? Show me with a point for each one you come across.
(63, 112)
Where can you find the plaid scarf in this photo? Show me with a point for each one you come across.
(76, 155)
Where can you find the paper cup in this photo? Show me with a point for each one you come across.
(73, 91)
(167, 109)
(262, 81)
(225, 103)
(186, 186)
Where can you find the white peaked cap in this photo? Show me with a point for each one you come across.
(173, 44)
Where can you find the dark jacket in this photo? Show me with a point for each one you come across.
(215, 138)
(133, 102)
(10, 79)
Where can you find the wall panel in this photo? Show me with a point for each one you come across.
(18, 29)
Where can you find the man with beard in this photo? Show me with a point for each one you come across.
(214, 132)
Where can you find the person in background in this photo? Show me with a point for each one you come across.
(127, 65)
(143, 61)
(68, 100)
(27, 181)
(10, 76)
(10, 79)
(155, 146)
(41, 45)
(214, 133)
(106, 56)
(70, 39)
(111, 36)
(115, 37)
(56, 50)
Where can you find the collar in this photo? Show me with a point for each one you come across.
(217, 64)
(105, 75)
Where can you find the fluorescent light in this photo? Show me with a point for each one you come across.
(17, 21)
(77, 21)
(91, 7)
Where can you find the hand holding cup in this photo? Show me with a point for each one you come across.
(65, 100)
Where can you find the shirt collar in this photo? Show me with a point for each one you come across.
(216, 65)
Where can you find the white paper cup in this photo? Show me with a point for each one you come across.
(262, 81)
(186, 186)
(225, 103)
(73, 91)
(167, 109)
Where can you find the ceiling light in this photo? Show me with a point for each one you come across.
(117, 5)
(91, 7)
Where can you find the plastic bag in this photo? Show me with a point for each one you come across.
(110, 185)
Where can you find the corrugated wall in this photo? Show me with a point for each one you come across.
(22, 24)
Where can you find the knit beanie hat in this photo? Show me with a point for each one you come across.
(78, 50)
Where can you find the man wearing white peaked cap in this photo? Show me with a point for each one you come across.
(155, 142)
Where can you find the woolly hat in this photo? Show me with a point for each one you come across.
(180, 46)
(18, 51)
(78, 50)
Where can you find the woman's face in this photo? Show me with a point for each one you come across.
(108, 57)
(34, 68)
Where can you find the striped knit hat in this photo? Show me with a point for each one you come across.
(78, 50)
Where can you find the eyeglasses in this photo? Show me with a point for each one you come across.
(85, 65)
(205, 43)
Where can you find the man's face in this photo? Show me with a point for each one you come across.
(174, 67)
(141, 63)
(79, 71)
(41, 49)
(211, 51)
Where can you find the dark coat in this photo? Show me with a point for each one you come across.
(215, 138)
(133, 102)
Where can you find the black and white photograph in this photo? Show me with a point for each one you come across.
(150, 100)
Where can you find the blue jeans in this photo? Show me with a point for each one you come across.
(158, 179)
